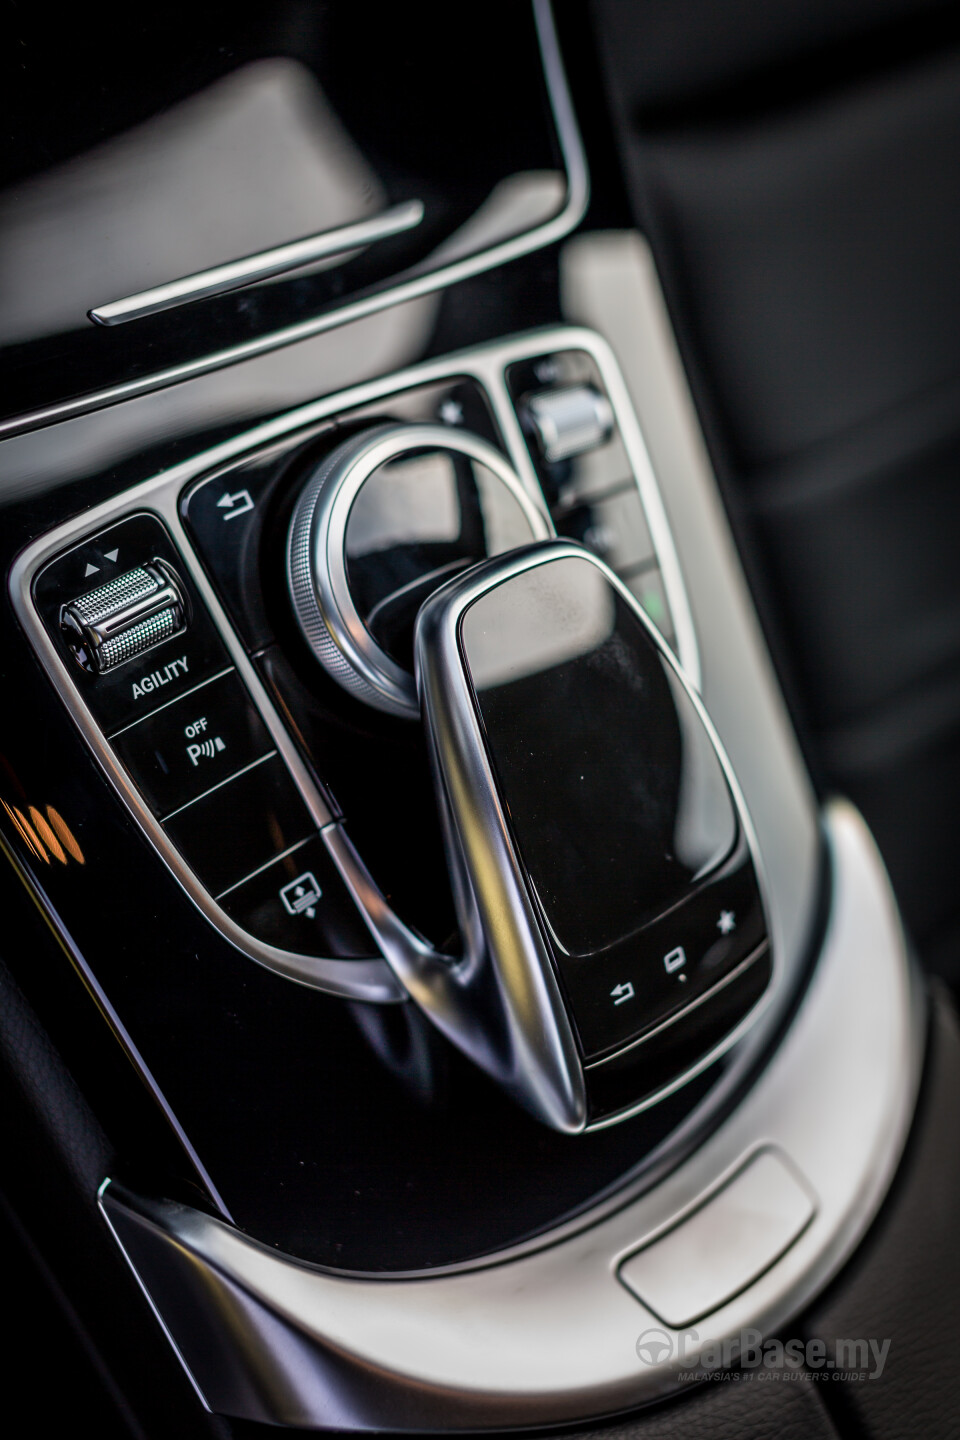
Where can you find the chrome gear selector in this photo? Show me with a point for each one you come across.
(383, 520)
(602, 862)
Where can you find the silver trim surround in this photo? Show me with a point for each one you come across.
(549, 1336)
(317, 563)
(501, 1004)
(578, 192)
(267, 263)
(372, 980)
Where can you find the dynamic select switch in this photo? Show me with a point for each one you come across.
(130, 614)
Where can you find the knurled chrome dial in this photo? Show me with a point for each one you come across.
(384, 519)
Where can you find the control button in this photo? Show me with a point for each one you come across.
(128, 615)
(224, 516)
(569, 421)
(243, 823)
(621, 992)
(187, 746)
(627, 1076)
(647, 586)
(615, 528)
(138, 682)
(299, 903)
(554, 395)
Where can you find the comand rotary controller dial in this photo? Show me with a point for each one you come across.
(383, 520)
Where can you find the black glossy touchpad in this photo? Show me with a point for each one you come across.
(612, 784)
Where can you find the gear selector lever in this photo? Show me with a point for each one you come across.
(614, 933)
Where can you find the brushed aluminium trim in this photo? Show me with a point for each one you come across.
(316, 555)
(236, 274)
(366, 980)
(525, 1038)
(578, 193)
(548, 1336)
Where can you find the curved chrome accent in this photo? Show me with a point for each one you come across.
(501, 1004)
(515, 1028)
(547, 1334)
(578, 193)
(237, 273)
(317, 564)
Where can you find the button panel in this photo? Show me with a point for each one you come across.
(613, 527)
(225, 513)
(183, 724)
(299, 903)
(638, 983)
(631, 1075)
(241, 823)
(592, 493)
(187, 746)
(224, 516)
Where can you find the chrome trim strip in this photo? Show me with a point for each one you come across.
(578, 192)
(237, 273)
(101, 1192)
(548, 1336)
(360, 979)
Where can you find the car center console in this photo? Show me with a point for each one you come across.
(193, 713)
(418, 807)
(247, 643)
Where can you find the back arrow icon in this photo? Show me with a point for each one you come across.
(234, 505)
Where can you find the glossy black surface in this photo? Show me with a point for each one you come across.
(189, 745)
(613, 787)
(221, 135)
(628, 1077)
(299, 903)
(350, 1134)
(670, 963)
(242, 824)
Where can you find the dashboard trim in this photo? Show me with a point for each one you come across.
(236, 274)
(578, 193)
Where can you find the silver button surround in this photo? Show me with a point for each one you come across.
(316, 555)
